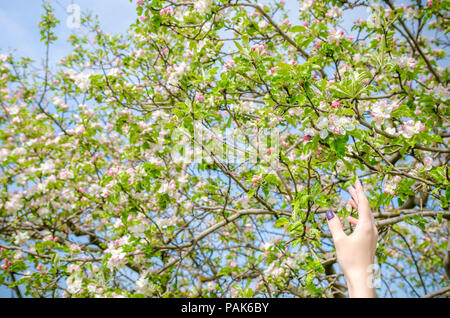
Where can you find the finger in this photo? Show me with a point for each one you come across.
(352, 220)
(353, 204)
(335, 226)
(360, 195)
(364, 212)
(352, 192)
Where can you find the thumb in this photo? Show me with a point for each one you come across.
(335, 225)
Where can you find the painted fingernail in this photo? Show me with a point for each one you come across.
(330, 215)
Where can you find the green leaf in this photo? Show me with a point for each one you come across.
(339, 145)
(296, 227)
(297, 28)
(251, 192)
(238, 46)
(281, 222)
(272, 179)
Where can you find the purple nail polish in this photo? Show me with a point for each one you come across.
(330, 215)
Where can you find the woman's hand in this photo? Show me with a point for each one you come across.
(356, 252)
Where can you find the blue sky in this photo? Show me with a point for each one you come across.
(19, 20)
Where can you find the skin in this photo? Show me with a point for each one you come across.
(356, 252)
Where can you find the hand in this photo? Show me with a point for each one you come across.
(356, 252)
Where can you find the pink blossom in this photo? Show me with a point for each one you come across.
(140, 3)
(397, 179)
(200, 97)
(79, 130)
(142, 18)
(335, 104)
(165, 11)
(306, 137)
(317, 44)
(255, 180)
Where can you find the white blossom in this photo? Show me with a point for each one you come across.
(441, 93)
(74, 283)
(21, 238)
(203, 6)
(14, 203)
(144, 286)
(81, 79)
(305, 5)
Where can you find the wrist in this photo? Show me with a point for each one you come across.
(360, 284)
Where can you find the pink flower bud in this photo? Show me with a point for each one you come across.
(335, 104)
(200, 97)
(397, 179)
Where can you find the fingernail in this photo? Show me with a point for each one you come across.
(330, 215)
